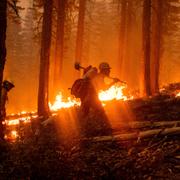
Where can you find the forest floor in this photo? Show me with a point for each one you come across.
(136, 139)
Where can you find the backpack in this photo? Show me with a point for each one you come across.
(79, 88)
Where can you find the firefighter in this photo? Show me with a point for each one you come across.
(96, 83)
(93, 82)
(90, 99)
(104, 72)
(6, 87)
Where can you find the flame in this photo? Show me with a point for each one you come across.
(24, 117)
(12, 136)
(12, 122)
(60, 103)
(115, 92)
(178, 94)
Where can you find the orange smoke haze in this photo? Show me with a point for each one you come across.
(101, 43)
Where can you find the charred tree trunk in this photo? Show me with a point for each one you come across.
(59, 45)
(129, 42)
(80, 31)
(146, 29)
(43, 108)
(122, 35)
(3, 24)
(157, 44)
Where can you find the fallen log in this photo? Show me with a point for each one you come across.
(140, 124)
(137, 135)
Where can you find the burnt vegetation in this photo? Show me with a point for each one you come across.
(145, 147)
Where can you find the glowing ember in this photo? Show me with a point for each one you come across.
(115, 92)
(23, 117)
(23, 112)
(12, 122)
(12, 136)
(178, 94)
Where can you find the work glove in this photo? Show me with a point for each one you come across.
(118, 80)
(115, 80)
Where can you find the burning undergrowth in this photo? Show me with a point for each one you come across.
(118, 108)
(63, 147)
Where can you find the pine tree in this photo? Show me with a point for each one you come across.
(3, 24)
(43, 107)
(122, 34)
(170, 57)
(164, 26)
(157, 43)
(146, 29)
(80, 31)
(59, 49)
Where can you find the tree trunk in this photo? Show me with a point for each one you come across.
(43, 108)
(3, 25)
(146, 29)
(157, 44)
(122, 35)
(80, 31)
(59, 46)
(129, 45)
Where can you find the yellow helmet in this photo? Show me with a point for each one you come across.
(104, 65)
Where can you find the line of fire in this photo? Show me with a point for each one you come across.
(90, 89)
